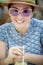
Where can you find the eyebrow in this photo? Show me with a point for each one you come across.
(14, 7)
(18, 8)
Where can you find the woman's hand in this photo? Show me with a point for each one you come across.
(15, 54)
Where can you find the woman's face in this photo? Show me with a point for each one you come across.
(20, 15)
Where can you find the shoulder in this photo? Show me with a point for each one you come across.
(5, 26)
(37, 22)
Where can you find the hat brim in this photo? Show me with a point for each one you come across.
(26, 3)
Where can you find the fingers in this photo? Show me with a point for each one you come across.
(17, 51)
(18, 59)
(13, 51)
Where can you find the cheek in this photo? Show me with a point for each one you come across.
(28, 19)
(13, 18)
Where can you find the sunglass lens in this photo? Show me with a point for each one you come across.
(14, 12)
(26, 12)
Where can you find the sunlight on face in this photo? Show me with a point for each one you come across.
(21, 22)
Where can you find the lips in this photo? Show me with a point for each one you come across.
(20, 22)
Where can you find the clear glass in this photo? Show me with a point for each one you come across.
(20, 63)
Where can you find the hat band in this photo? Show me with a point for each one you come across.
(28, 1)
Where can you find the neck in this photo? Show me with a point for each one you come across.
(23, 30)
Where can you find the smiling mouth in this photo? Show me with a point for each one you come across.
(20, 22)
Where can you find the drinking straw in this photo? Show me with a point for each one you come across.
(23, 56)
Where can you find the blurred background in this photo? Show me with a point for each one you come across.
(4, 17)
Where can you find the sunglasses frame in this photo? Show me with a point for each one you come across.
(20, 11)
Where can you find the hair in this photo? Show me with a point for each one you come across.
(1, 6)
(32, 8)
(9, 6)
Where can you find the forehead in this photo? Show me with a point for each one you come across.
(20, 6)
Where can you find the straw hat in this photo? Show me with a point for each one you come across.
(26, 2)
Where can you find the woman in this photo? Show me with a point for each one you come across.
(22, 30)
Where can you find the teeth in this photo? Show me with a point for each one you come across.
(19, 22)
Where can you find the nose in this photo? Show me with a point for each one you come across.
(20, 17)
